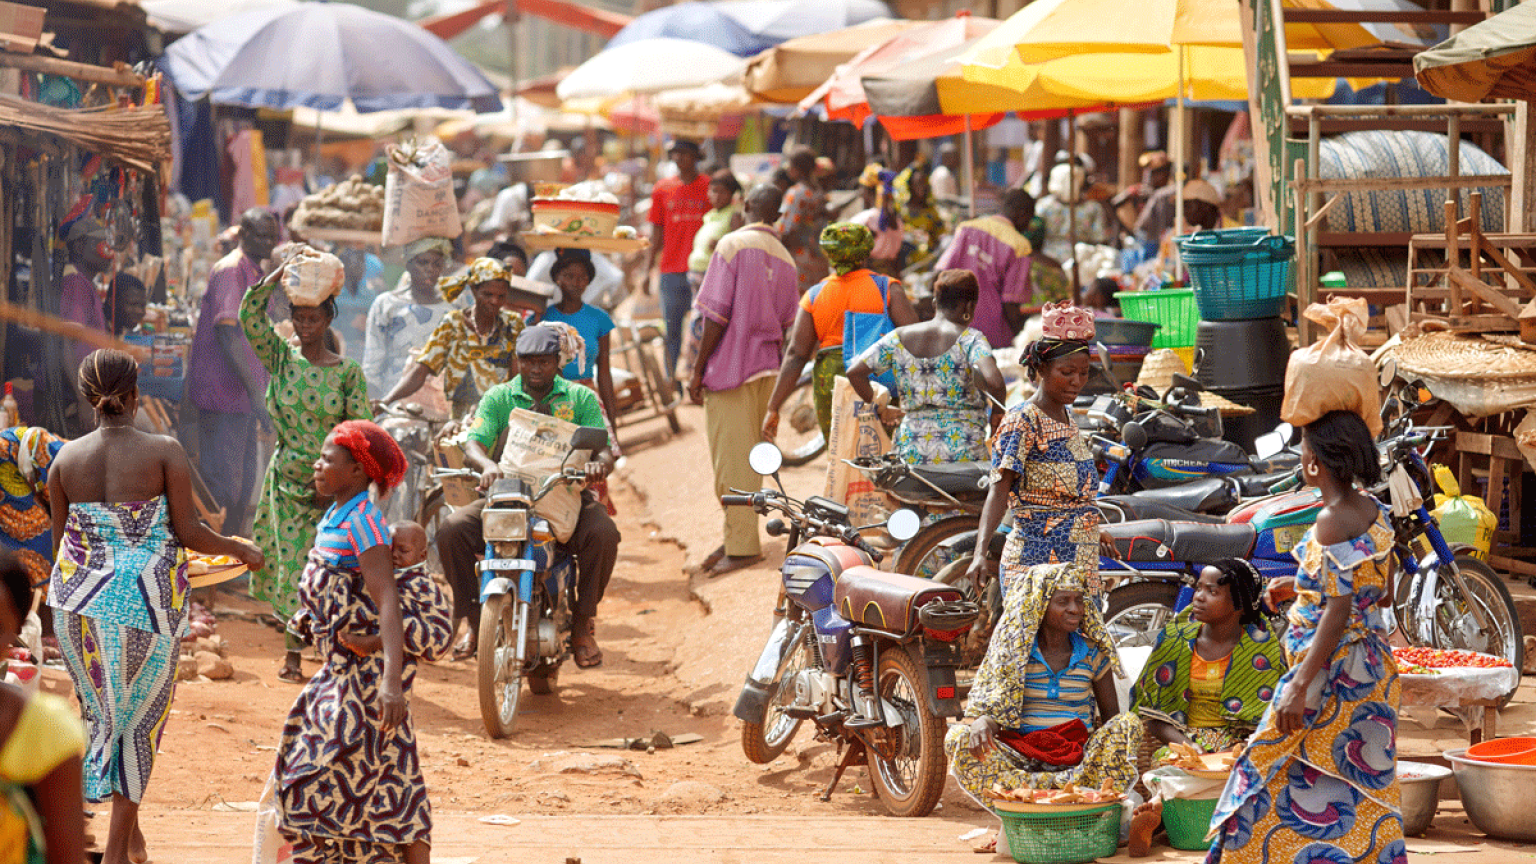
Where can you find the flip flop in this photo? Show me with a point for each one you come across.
(712, 558)
(464, 650)
(292, 676)
(584, 648)
(730, 563)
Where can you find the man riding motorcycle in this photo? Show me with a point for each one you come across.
(595, 540)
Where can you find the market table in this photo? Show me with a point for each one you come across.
(1475, 689)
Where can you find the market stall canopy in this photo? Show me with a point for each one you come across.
(710, 102)
(842, 94)
(699, 22)
(781, 20)
(318, 55)
(789, 72)
(1048, 29)
(929, 97)
(649, 66)
(184, 16)
(350, 123)
(1495, 59)
(588, 19)
(1210, 74)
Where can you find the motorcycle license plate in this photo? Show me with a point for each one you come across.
(508, 564)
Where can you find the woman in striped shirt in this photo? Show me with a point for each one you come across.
(1045, 707)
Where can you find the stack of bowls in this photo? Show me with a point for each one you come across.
(1128, 342)
(1244, 360)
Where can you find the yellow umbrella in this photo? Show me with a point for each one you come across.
(1210, 73)
(1048, 29)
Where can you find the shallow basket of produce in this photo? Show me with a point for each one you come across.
(1059, 826)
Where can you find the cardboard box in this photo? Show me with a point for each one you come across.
(20, 27)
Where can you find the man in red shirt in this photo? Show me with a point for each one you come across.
(678, 205)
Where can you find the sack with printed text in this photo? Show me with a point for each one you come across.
(536, 447)
(418, 193)
(856, 431)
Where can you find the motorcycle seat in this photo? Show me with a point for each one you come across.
(888, 601)
(1214, 495)
(1164, 541)
(1132, 508)
(1200, 450)
(960, 479)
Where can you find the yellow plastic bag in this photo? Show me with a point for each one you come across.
(1333, 374)
(1464, 519)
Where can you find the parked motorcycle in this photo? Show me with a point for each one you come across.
(1441, 599)
(526, 581)
(868, 657)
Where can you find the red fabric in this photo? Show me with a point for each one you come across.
(679, 209)
(1060, 745)
(371, 446)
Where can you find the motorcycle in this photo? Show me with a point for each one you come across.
(526, 582)
(868, 657)
(1441, 598)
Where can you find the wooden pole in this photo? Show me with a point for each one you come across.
(70, 69)
(1519, 149)
(1130, 147)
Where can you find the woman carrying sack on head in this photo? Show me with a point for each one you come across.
(818, 326)
(311, 389)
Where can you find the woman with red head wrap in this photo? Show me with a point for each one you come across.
(349, 590)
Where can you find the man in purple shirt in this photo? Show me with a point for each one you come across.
(225, 380)
(994, 248)
(90, 255)
(747, 302)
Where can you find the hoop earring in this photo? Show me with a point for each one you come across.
(1313, 470)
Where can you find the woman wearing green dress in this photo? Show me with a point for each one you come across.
(311, 390)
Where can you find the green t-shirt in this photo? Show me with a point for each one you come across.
(573, 403)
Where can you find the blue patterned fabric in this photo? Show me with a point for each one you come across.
(347, 791)
(1358, 155)
(121, 563)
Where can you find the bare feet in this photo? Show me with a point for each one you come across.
(1144, 821)
(138, 851)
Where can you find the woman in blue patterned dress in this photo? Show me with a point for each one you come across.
(944, 373)
(123, 518)
(349, 782)
(1318, 780)
(1041, 467)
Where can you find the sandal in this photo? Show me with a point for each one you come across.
(985, 845)
(584, 648)
(291, 675)
(465, 650)
(731, 563)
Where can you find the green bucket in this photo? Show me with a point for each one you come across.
(1187, 822)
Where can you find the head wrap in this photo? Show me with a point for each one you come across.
(572, 346)
(876, 177)
(1034, 589)
(1066, 322)
(371, 446)
(428, 244)
(479, 271)
(847, 246)
(538, 339)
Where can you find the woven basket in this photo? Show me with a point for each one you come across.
(1448, 356)
(1161, 365)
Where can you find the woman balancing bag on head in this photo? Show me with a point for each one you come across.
(1333, 374)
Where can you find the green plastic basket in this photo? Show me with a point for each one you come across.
(1173, 308)
(1066, 838)
(1187, 822)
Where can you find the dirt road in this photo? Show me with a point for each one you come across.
(676, 648)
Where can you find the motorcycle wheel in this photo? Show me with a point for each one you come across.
(926, 553)
(502, 620)
(763, 742)
(1137, 612)
(906, 762)
(1455, 627)
(799, 434)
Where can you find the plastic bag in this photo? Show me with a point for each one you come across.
(418, 193)
(1171, 782)
(856, 431)
(1464, 519)
(1333, 374)
(270, 847)
(312, 276)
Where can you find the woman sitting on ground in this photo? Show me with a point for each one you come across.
(944, 375)
(1045, 678)
(1216, 665)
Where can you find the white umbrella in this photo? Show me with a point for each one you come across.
(649, 66)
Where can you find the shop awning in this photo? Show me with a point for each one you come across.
(573, 15)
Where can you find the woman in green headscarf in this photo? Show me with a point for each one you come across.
(818, 327)
(919, 213)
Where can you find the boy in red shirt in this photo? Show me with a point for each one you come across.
(678, 205)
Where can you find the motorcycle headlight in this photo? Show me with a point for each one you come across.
(505, 525)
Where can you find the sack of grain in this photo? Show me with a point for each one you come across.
(311, 276)
(418, 193)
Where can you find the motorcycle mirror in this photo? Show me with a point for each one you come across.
(1269, 444)
(1189, 384)
(765, 459)
(903, 525)
(1388, 371)
(1103, 355)
(1133, 435)
(589, 438)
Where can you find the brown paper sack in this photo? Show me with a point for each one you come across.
(856, 431)
(1333, 374)
(312, 276)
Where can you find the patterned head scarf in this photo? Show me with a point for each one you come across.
(1037, 584)
(479, 271)
(847, 246)
(428, 244)
(374, 449)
